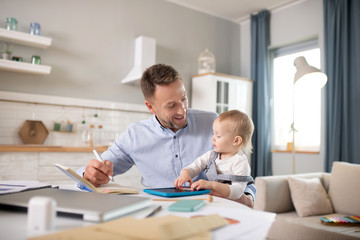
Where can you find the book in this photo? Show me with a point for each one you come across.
(340, 220)
(110, 188)
(21, 186)
(186, 205)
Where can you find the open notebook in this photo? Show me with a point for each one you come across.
(113, 188)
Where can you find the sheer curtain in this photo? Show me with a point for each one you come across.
(342, 66)
(260, 38)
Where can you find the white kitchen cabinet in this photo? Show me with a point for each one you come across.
(28, 40)
(220, 92)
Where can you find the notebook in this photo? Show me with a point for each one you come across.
(20, 186)
(90, 206)
(86, 185)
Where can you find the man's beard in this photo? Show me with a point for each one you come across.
(171, 124)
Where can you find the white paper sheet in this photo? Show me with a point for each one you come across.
(252, 224)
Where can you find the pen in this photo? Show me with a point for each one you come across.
(83, 187)
(98, 157)
(154, 211)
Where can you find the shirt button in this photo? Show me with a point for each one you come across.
(176, 155)
(174, 137)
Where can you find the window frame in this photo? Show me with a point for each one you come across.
(279, 51)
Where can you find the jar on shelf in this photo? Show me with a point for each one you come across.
(36, 60)
(6, 51)
(206, 62)
(11, 24)
(34, 28)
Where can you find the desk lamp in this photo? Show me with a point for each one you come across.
(306, 76)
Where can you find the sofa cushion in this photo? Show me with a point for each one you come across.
(309, 196)
(273, 193)
(344, 190)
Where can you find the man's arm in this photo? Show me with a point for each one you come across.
(248, 198)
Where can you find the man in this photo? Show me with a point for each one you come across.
(162, 145)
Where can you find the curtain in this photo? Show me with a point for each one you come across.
(260, 38)
(342, 66)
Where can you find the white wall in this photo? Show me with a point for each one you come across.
(94, 40)
(290, 24)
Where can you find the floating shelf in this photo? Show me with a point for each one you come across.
(23, 67)
(25, 38)
(44, 148)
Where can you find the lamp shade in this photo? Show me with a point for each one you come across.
(307, 75)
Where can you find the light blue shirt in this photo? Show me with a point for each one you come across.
(159, 153)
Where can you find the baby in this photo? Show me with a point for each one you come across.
(227, 163)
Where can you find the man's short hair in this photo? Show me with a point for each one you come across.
(158, 74)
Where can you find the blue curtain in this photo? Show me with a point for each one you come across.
(342, 66)
(260, 38)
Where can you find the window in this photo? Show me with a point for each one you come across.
(307, 103)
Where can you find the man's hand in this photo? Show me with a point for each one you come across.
(98, 173)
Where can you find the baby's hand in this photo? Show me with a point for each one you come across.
(183, 178)
(202, 184)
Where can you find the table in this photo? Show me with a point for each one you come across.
(253, 224)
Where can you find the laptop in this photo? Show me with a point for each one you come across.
(90, 206)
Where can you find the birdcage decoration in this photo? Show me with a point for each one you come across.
(206, 62)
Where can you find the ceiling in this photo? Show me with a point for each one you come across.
(233, 10)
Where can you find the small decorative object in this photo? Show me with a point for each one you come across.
(69, 126)
(34, 28)
(33, 132)
(206, 62)
(57, 126)
(36, 60)
(11, 24)
(6, 51)
(17, 59)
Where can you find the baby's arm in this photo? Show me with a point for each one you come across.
(221, 188)
(183, 178)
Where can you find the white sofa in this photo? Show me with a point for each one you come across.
(341, 189)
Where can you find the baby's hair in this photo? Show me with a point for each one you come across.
(243, 127)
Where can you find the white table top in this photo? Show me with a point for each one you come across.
(253, 224)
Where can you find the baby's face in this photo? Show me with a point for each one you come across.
(223, 136)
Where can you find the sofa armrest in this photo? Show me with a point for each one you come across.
(273, 193)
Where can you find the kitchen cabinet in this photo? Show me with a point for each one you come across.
(221, 92)
(27, 40)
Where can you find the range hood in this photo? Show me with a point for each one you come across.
(145, 48)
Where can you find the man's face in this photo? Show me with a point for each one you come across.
(170, 105)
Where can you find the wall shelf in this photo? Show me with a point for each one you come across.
(23, 67)
(25, 38)
(44, 148)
